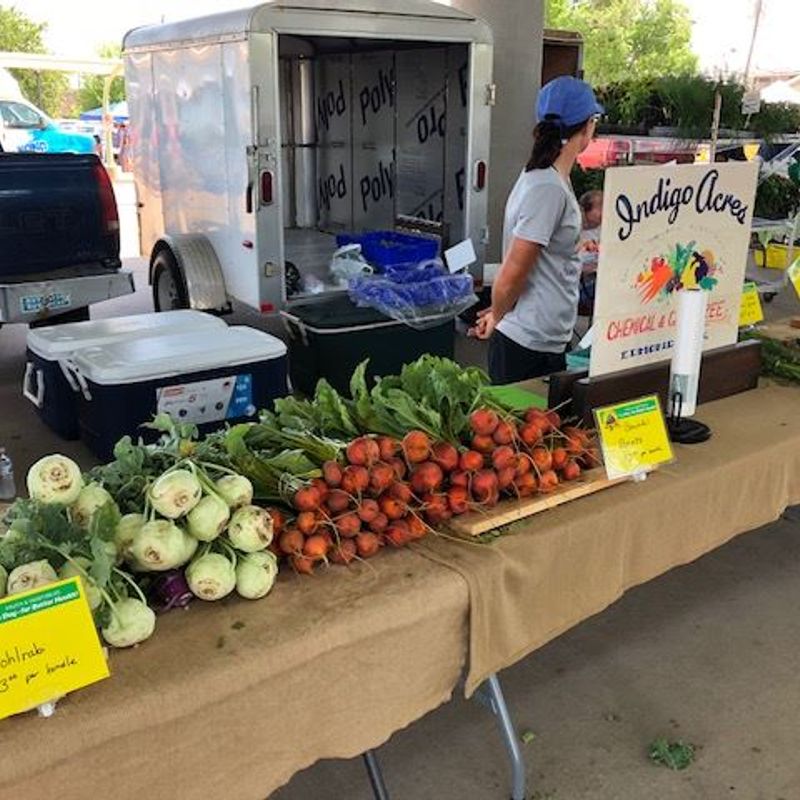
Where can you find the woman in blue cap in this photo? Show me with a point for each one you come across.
(535, 293)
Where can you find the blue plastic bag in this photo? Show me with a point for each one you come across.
(421, 295)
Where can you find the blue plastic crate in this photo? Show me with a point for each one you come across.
(389, 248)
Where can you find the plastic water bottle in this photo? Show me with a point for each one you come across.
(8, 490)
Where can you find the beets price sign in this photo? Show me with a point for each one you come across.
(667, 229)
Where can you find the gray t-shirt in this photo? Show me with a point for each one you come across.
(542, 208)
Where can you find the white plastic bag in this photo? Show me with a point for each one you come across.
(347, 263)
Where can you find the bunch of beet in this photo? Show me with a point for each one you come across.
(358, 507)
(391, 493)
(523, 457)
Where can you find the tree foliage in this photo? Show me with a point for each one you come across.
(20, 34)
(91, 91)
(628, 38)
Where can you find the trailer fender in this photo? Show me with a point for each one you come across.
(195, 272)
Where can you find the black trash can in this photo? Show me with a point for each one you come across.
(329, 337)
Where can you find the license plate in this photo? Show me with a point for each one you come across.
(36, 303)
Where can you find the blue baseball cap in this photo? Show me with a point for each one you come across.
(567, 101)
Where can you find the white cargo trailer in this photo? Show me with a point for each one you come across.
(260, 134)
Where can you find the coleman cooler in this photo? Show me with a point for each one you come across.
(205, 377)
(48, 383)
(328, 339)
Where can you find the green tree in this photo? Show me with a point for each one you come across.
(20, 34)
(91, 91)
(626, 39)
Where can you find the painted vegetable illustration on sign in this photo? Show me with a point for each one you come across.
(683, 267)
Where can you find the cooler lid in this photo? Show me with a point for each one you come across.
(152, 357)
(61, 341)
(336, 312)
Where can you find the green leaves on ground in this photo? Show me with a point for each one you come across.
(675, 755)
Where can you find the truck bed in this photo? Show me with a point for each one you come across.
(57, 212)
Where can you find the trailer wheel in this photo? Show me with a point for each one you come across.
(169, 285)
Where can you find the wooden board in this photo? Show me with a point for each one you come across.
(786, 331)
(508, 511)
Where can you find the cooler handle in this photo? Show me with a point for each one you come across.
(294, 325)
(81, 381)
(38, 398)
(70, 378)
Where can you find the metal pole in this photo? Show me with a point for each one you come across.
(712, 153)
(756, 21)
(490, 694)
(375, 775)
(108, 140)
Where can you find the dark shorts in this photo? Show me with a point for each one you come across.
(510, 362)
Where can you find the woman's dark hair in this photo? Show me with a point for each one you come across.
(547, 138)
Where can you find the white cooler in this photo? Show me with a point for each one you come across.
(48, 383)
(205, 377)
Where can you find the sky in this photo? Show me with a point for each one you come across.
(721, 30)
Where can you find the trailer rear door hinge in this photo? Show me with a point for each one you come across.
(491, 94)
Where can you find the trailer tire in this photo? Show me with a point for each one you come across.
(169, 283)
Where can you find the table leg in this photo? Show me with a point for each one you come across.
(375, 775)
(490, 694)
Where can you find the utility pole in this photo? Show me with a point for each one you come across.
(758, 7)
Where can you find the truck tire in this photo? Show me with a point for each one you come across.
(169, 284)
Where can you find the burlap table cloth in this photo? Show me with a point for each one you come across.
(230, 699)
(555, 569)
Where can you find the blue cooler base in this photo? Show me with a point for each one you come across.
(59, 409)
(120, 410)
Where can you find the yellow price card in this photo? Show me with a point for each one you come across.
(633, 437)
(48, 646)
(794, 275)
(750, 311)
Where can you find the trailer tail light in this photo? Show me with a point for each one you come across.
(479, 182)
(108, 204)
(266, 188)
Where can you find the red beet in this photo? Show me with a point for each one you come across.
(445, 456)
(427, 477)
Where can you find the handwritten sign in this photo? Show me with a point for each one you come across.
(633, 437)
(750, 311)
(48, 646)
(667, 229)
(794, 275)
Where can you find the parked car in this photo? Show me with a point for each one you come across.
(26, 129)
(613, 151)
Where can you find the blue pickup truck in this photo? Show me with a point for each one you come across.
(59, 237)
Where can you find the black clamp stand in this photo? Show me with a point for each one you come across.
(682, 430)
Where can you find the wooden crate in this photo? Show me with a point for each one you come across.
(477, 522)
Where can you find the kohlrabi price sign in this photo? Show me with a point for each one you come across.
(667, 229)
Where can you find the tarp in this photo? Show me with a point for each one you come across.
(118, 110)
(780, 92)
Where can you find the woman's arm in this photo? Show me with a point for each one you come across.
(512, 276)
(508, 285)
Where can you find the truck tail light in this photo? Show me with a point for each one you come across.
(480, 176)
(108, 204)
(266, 187)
